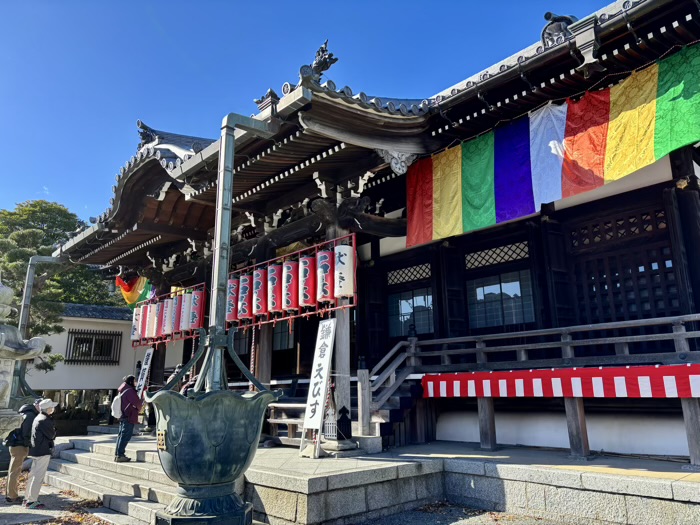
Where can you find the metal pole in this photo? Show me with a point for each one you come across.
(21, 366)
(222, 242)
(222, 239)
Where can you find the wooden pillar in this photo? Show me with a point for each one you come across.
(576, 425)
(342, 373)
(263, 357)
(487, 423)
(680, 261)
(341, 356)
(157, 373)
(364, 395)
(690, 407)
(691, 418)
(264, 251)
(487, 415)
(689, 209)
(575, 412)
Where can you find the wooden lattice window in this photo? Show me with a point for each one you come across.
(510, 252)
(407, 275)
(610, 229)
(622, 268)
(634, 283)
(93, 347)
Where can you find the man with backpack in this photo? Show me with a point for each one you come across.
(19, 442)
(127, 411)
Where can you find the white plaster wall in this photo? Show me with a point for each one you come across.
(389, 245)
(621, 433)
(88, 377)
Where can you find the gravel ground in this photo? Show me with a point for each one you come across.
(444, 514)
(63, 507)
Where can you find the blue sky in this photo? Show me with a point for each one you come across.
(76, 75)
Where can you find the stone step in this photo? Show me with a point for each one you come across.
(138, 511)
(139, 488)
(140, 449)
(134, 469)
(109, 429)
(114, 518)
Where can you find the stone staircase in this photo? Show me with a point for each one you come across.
(135, 490)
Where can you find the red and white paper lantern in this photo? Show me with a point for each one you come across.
(167, 326)
(197, 309)
(290, 285)
(159, 318)
(344, 271)
(232, 300)
(245, 297)
(185, 310)
(152, 320)
(307, 281)
(324, 276)
(136, 324)
(274, 288)
(260, 291)
(177, 312)
(143, 316)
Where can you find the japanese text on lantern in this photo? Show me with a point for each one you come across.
(320, 372)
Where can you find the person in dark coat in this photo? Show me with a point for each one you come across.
(131, 406)
(19, 450)
(43, 435)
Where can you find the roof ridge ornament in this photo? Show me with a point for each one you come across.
(322, 62)
(270, 98)
(147, 134)
(557, 29)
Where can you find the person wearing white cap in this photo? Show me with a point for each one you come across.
(19, 449)
(43, 434)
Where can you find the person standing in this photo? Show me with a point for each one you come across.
(131, 405)
(43, 434)
(20, 450)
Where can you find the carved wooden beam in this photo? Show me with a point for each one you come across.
(352, 216)
(165, 229)
(282, 236)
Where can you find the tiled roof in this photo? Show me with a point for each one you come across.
(93, 311)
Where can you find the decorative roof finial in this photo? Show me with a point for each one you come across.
(557, 29)
(268, 99)
(323, 61)
(147, 134)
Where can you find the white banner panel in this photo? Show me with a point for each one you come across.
(320, 372)
(143, 375)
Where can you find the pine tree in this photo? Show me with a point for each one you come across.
(36, 228)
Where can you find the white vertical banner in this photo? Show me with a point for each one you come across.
(143, 375)
(320, 372)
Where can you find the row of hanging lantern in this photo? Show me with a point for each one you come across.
(170, 315)
(286, 287)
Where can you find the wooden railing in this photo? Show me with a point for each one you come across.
(408, 357)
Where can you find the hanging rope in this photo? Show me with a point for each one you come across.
(252, 360)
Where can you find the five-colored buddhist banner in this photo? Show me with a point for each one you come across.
(556, 152)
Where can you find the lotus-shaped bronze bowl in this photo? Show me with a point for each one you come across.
(209, 441)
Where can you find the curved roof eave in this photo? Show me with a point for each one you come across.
(618, 14)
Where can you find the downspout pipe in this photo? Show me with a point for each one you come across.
(19, 384)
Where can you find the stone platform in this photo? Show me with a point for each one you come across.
(286, 489)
